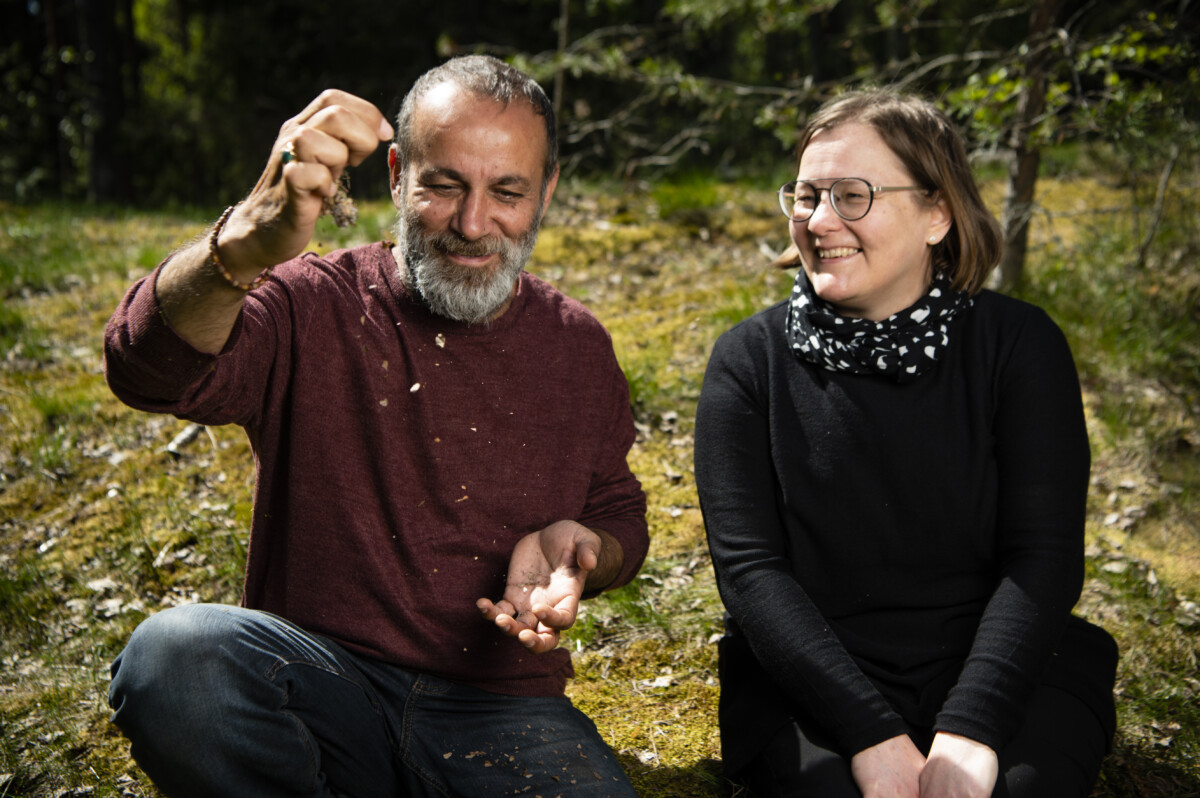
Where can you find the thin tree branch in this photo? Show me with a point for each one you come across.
(1159, 201)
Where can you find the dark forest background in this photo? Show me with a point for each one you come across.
(174, 101)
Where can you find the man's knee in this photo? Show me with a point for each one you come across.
(172, 639)
(168, 662)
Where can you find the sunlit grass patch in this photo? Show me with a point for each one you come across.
(1135, 332)
(13, 327)
(375, 222)
(654, 701)
(679, 198)
(1158, 693)
(56, 246)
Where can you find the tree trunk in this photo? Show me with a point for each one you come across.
(108, 175)
(57, 101)
(1023, 169)
(559, 71)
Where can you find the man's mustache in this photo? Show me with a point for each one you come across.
(448, 243)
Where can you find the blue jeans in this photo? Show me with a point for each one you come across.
(224, 701)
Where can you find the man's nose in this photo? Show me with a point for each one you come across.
(471, 218)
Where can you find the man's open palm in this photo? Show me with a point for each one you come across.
(546, 578)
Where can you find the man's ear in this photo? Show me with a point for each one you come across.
(551, 184)
(395, 170)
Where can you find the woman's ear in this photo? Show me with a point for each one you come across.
(940, 220)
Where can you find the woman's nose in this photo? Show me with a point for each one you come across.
(823, 218)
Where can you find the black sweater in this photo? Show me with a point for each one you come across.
(897, 557)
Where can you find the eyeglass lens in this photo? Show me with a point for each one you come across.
(850, 196)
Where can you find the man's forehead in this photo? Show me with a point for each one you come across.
(447, 107)
(445, 97)
(446, 112)
(447, 103)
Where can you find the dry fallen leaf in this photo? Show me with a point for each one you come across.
(341, 205)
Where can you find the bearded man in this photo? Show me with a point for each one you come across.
(440, 443)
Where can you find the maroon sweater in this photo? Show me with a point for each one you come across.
(400, 456)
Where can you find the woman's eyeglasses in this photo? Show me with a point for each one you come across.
(850, 197)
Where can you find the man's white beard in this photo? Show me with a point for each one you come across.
(470, 294)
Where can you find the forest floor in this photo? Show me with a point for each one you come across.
(103, 521)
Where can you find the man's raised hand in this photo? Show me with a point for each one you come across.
(202, 285)
(276, 220)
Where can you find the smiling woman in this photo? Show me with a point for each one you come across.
(881, 262)
(893, 469)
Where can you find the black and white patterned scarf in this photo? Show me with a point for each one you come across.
(902, 346)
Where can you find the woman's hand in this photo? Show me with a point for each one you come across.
(959, 767)
(890, 769)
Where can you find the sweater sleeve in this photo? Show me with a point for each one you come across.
(151, 367)
(739, 499)
(1042, 461)
(147, 364)
(615, 500)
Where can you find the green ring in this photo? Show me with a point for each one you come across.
(287, 156)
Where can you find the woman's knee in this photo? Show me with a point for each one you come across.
(1058, 751)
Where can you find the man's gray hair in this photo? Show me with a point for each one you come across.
(484, 76)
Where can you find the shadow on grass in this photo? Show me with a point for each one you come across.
(702, 779)
(1130, 771)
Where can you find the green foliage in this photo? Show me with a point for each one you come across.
(615, 614)
(1132, 82)
(42, 129)
(25, 597)
(13, 327)
(1124, 318)
(57, 247)
(31, 258)
(747, 25)
(692, 193)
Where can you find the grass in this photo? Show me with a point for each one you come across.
(100, 525)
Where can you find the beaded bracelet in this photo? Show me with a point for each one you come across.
(216, 258)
